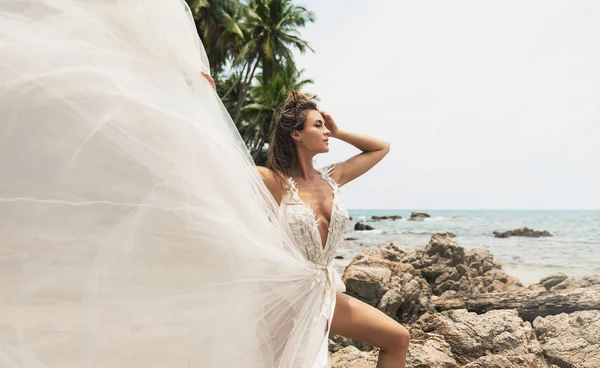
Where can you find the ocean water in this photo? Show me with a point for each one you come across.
(574, 249)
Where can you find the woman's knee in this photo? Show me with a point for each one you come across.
(399, 338)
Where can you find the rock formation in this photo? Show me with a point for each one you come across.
(386, 217)
(418, 216)
(524, 231)
(462, 310)
(359, 226)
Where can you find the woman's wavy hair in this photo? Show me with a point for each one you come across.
(283, 157)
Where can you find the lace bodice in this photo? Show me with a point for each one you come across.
(304, 228)
(304, 225)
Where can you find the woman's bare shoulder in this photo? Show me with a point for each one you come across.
(265, 172)
(272, 181)
(268, 176)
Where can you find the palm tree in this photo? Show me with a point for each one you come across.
(218, 25)
(271, 32)
(267, 100)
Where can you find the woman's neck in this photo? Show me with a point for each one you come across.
(304, 167)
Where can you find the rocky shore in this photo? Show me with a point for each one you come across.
(524, 231)
(462, 310)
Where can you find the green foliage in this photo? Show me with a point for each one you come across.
(218, 25)
(250, 48)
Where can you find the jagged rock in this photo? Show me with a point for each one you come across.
(429, 350)
(497, 336)
(529, 304)
(386, 217)
(351, 357)
(350, 238)
(570, 340)
(561, 281)
(549, 281)
(408, 302)
(431, 353)
(446, 233)
(415, 275)
(496, 339)
(501, 361)
(418, 216)
(536, 287)
(359, 226)
(524, 231)
(367, 283)
(413, 286)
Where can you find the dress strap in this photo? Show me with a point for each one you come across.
(326, 172)
(293, 189)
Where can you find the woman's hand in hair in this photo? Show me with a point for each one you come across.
(330, 124)
(209, 79)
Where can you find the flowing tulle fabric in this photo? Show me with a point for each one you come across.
(134, 229)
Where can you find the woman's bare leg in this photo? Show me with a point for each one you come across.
(357, 320)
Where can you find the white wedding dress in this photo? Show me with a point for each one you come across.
(135, 230)
(305, 233)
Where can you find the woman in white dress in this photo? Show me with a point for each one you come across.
(310, 203)
(135, 230)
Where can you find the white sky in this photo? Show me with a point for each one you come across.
(487, 104)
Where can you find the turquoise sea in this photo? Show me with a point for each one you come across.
(574, 249)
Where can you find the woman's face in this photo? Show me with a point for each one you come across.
(315, 135)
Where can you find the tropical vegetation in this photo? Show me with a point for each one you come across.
(250, 46)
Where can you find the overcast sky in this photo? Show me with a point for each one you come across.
(487, 104)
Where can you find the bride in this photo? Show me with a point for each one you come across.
(310, 204)
(135, 229)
